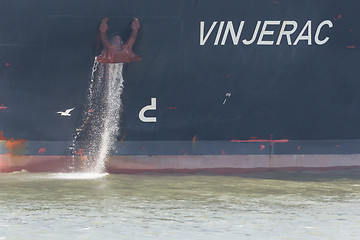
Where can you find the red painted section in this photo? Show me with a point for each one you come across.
(271, 141)
(352, 46)
(171, 108)
(337, 145)
(7, 64)
(339, 16)
(12, 163)
(2, 107)
(184, 164)
(222, 170)
(299, 147)
(227, 76)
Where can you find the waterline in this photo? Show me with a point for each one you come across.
(77, 176)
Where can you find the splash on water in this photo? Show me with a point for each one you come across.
(77, 176)
(100, 125)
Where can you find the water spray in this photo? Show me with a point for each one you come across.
(100, 124)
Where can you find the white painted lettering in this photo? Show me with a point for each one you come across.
(305, 37)
(317, 40)
(202, 26)
(218, 35)
(247, 42)
(264, 32)
(287, 30)
(152, 106)
(230, 28)
(286, 33)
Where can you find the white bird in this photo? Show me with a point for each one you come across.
(67, 112)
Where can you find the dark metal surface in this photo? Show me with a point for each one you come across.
(295, 92)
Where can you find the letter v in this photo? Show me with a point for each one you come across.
(202, 39)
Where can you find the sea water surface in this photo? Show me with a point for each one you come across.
(274, 205)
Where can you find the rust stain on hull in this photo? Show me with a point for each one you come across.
(13, 146)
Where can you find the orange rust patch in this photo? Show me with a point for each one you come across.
(2, 137)
(14, 146)
(81, 151)
(123, 137)
(42, 150)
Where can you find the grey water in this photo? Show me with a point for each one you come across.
(274, 205)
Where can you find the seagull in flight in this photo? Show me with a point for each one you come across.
(67, 112)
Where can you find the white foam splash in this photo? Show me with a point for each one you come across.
(111, 114)
(77, 175)
(23, 171)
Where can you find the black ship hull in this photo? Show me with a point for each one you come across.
(238, 85)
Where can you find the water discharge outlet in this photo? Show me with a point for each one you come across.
(95, 138)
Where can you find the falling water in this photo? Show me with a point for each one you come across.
(101, 118)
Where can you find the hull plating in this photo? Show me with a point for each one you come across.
(231, 84)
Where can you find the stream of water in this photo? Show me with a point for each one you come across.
(100, 125)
